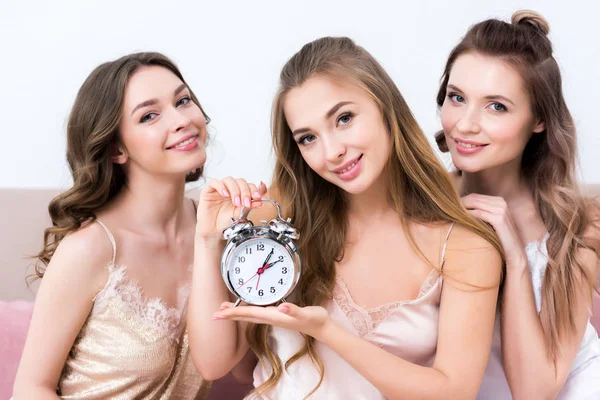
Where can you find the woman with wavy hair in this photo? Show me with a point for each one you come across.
(513, 143)
(109, 318)
(399, 284)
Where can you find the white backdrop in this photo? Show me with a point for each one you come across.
(230, 52)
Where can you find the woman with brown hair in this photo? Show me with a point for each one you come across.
(109, 318)
(513, 143)
(399, 284)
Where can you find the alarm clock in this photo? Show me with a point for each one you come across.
(260, 265)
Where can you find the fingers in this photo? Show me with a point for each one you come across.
(241, 192)
(217, 186)
(256, 196)
(475, 200)
(262, 188)
(234, 190)
(245, 192)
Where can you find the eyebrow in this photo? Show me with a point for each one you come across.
(490, 97)
(154, 101)
(328, 115)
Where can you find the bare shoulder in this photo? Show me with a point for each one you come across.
(85, 253)
(471, 259)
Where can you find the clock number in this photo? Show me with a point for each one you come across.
(260, 247)
(272, 290)
(241, 259)
(260, 292)
(237, 271)
(284, 270)
(248, 250)
(280, 281)
(241, 282)
(280, 258)
(249, 289)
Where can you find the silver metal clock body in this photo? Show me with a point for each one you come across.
(261, 265)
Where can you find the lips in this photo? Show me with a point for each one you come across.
(467, 147)
(183, 142)
(348, 166)
(469, 144)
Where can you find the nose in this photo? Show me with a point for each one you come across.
(469, 122)
(334, 148)
(179, 120)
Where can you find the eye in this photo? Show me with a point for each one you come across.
(456, 98)
(148, 117)
(345, 118)
(306, 139)
(498, 107)
(183, 101)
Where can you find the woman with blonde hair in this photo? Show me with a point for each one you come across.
(513, 143)
(399, 284)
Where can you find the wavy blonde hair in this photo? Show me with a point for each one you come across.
(92, 133)
(549, 159)
(419, 186)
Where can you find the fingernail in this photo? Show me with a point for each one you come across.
(215, 318)
(284, 309)
(223, 308)
(237, 201)
(225, 193)
(247, 202)
(256, 195)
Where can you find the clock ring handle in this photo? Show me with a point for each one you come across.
(245, 211)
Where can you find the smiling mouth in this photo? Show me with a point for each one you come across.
(349, 167)
(183, 144)
(468, 145)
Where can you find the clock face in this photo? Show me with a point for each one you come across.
(261, 271)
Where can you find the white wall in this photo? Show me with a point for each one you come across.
(231, 52)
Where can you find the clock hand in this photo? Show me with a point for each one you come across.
(268, 258)
(260, 270)
(270, 265)
(249, 279)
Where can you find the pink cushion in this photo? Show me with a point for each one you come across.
(596, 312)
(14, 323)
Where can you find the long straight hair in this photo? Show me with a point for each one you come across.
(418, 185)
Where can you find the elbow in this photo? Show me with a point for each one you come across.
(210, 371)
(545, 385)
(530, 390)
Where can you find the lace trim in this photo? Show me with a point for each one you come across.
(365, 321)
(537, 261)
(154, 312)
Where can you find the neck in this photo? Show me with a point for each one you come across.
(153, 203)
(504, 181)
(372, 203)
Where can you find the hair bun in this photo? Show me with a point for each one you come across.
(532, 19)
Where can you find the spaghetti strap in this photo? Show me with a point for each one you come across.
(445, 245)
(111, 238)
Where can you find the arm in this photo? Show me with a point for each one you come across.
(523, 342)
(65, 297)
(466, 324)
(216, 346)
(529, 370)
